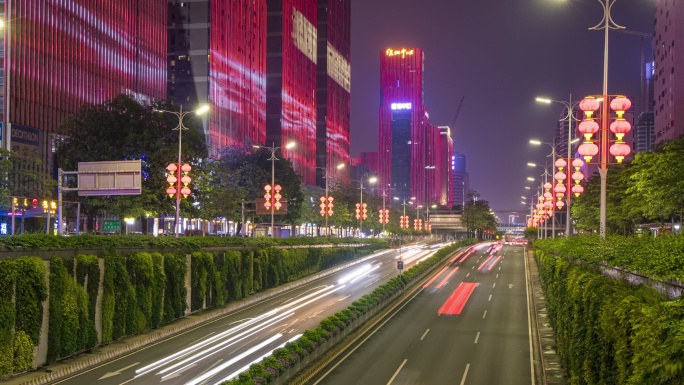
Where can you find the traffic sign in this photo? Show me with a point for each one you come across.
(112, 225)
(400, 265)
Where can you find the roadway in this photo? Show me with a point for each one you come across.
(468, 325)
(223, 348)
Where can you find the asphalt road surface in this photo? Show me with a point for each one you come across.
(468, 325)
(223, 348)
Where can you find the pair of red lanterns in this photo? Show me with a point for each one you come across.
(417, 224)
(273, 200)
(361, 211)
(177, 177)
(588, 127)
(326, 206)
(404, 221)
(384, 216)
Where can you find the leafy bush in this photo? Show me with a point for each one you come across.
(175, 270)
(7, 316)
(23, 352)
(607, 331)
(30, 292)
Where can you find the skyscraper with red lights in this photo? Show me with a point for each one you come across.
(403, 123)
(291, 81)
(61, 54)
(334, 87)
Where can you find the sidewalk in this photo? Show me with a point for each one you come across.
(553, 373)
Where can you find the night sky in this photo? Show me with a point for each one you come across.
(499, 55)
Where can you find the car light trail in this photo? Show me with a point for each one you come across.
(363, 275)
(354, 274)
(491, 264)
(244, 368)
(458, 299)
(485, 262)
(233, 360)
(444, 281)
(434, 278)
(223, 345)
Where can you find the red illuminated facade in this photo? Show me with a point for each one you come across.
(61, 54)
(291, 81)
(334, 86)
(403, 123)
(237, 73)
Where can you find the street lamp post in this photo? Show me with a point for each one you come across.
(569, 118)
(546, 175)
(606, 24)
(273, 158)
(180, 127)
(361, 212)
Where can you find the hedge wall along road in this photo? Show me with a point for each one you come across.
(22, 291)
(71, 328)
(140, 292)
(609, 332)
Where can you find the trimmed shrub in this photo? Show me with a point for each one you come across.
(23, 352)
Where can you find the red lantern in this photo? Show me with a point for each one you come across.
(588, 150)
(560, 176)
(171, 191)
(561, 163)
(589, 105)
(186, 168)
(620, 150)
(186, 180)
(588, 128)
(577, 163)
(185, 191)
(577, 190)
(620, 105)
(171, 179)
(620, 127)
(560, 204)
(559, 189)
(172, 167)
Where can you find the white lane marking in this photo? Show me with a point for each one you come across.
(490, 298)
(465, 374)
(494, 285)
(366, 339)
(467, 275)
(497, 276)
(529, 322)
(424, 334)
(117, 372)
(485, 314)
(477, 337)
(397, 372)
(474, 266)
(499, 267)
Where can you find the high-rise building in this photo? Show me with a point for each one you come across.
(460, 187)
(644, 133)
(217, 55)
(333, 87)
(444, 167)
(668, 79)
(292, 55)
(433, 165)
(57, 56)
(403, 123)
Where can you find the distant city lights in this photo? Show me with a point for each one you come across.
(400, 106)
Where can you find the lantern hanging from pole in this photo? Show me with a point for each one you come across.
(589, 105)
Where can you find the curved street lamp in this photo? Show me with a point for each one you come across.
(180, 127)
(273, 158)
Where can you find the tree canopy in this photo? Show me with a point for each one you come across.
(123, 129)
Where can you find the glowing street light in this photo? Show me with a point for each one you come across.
(179, 167)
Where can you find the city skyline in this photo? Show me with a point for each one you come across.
(551, 53)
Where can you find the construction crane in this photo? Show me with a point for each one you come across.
(458, 112)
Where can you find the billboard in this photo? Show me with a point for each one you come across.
(109, 178)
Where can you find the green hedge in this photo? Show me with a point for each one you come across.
(271, 367)
(185, 244)
(7, 316)
(140, 292)
(609, 332)
(660, 258)
(71, 328)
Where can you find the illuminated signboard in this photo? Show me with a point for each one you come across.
(400, 106)
(396, 52)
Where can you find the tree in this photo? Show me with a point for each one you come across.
(242, 172)
(123, 129)
(21, 176)
(477, 216)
